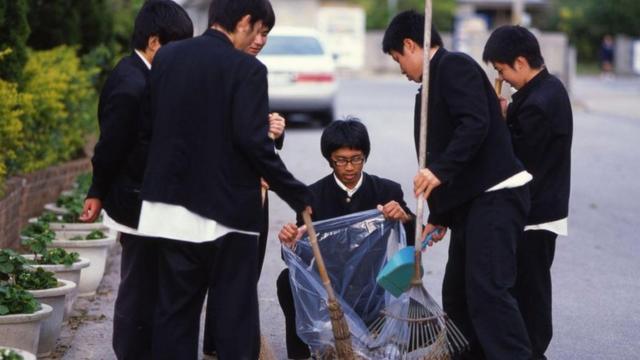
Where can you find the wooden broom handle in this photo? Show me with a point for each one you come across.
(322, 269)
(497, 85)
(422, 146)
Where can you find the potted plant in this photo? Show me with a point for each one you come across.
(93, 246)
(45, 288)
(66, 265)
(7, 353)
(20, 318)
(20, 313)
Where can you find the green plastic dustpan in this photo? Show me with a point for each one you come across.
(396, 275)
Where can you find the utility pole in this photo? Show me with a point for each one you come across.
(517, 12)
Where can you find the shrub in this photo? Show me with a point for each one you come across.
(12, 107)
(14, 31)
(64, 107)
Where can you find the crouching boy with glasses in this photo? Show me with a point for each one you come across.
(348, 189)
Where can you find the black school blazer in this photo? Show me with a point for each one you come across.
(120, 153)
(541, 125)
(469, 146)
(209, 143)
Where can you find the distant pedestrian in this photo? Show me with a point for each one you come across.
(606, 56)
(541, 125)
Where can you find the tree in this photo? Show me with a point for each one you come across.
(378, 12)
(14, 31)
(587, 21)
(87, 23)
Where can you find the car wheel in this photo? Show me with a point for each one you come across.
(326, 116)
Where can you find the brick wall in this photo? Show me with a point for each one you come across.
(25, 196)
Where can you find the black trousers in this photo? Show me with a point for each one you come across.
(533, 287)
(186, 271)
(481, 273)
(135, 304)
(296, 348)
(208, 342)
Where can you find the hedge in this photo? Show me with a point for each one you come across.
(47, 121)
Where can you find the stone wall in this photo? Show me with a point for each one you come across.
(26, 195)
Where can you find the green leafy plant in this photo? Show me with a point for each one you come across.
(59, 256)
(95, 235)
(48, 217)
(15, 300)
(38, 279)
(37, 237)
(10, 264)
(8, 354)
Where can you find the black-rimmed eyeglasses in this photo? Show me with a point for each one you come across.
(356, 160)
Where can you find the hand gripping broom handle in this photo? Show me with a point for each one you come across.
(422, 148)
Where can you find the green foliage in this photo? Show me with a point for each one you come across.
(69, 22)
(8, 354)
(12, 107)
(83, 182)
(95, 235)
(587, 21)
(48, 217)
(14, 31)
(63, 112)
(38, 279)
(37, 237)
(10, 264)
(15, 300)
(378, 12)
(73, 204)
(59, 256)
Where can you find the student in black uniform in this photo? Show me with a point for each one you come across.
(276, 132)
(541, 126)
(348, 189)
(474, 184)
(119, 161)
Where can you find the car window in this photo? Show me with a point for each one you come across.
(292, 45)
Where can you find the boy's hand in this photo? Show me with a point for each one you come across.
(504, 104)
(91, 210)
(441, 231)
(276, 125)
(424, 183)
(393, 211)
(290, 234)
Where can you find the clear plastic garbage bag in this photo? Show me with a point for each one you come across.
(354, 247)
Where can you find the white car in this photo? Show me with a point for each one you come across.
(302, 76)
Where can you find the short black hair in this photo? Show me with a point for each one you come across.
(508, 42)
(270, 20)
(407, 25)
(162, 18)
(227, 13)
(349, 132)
